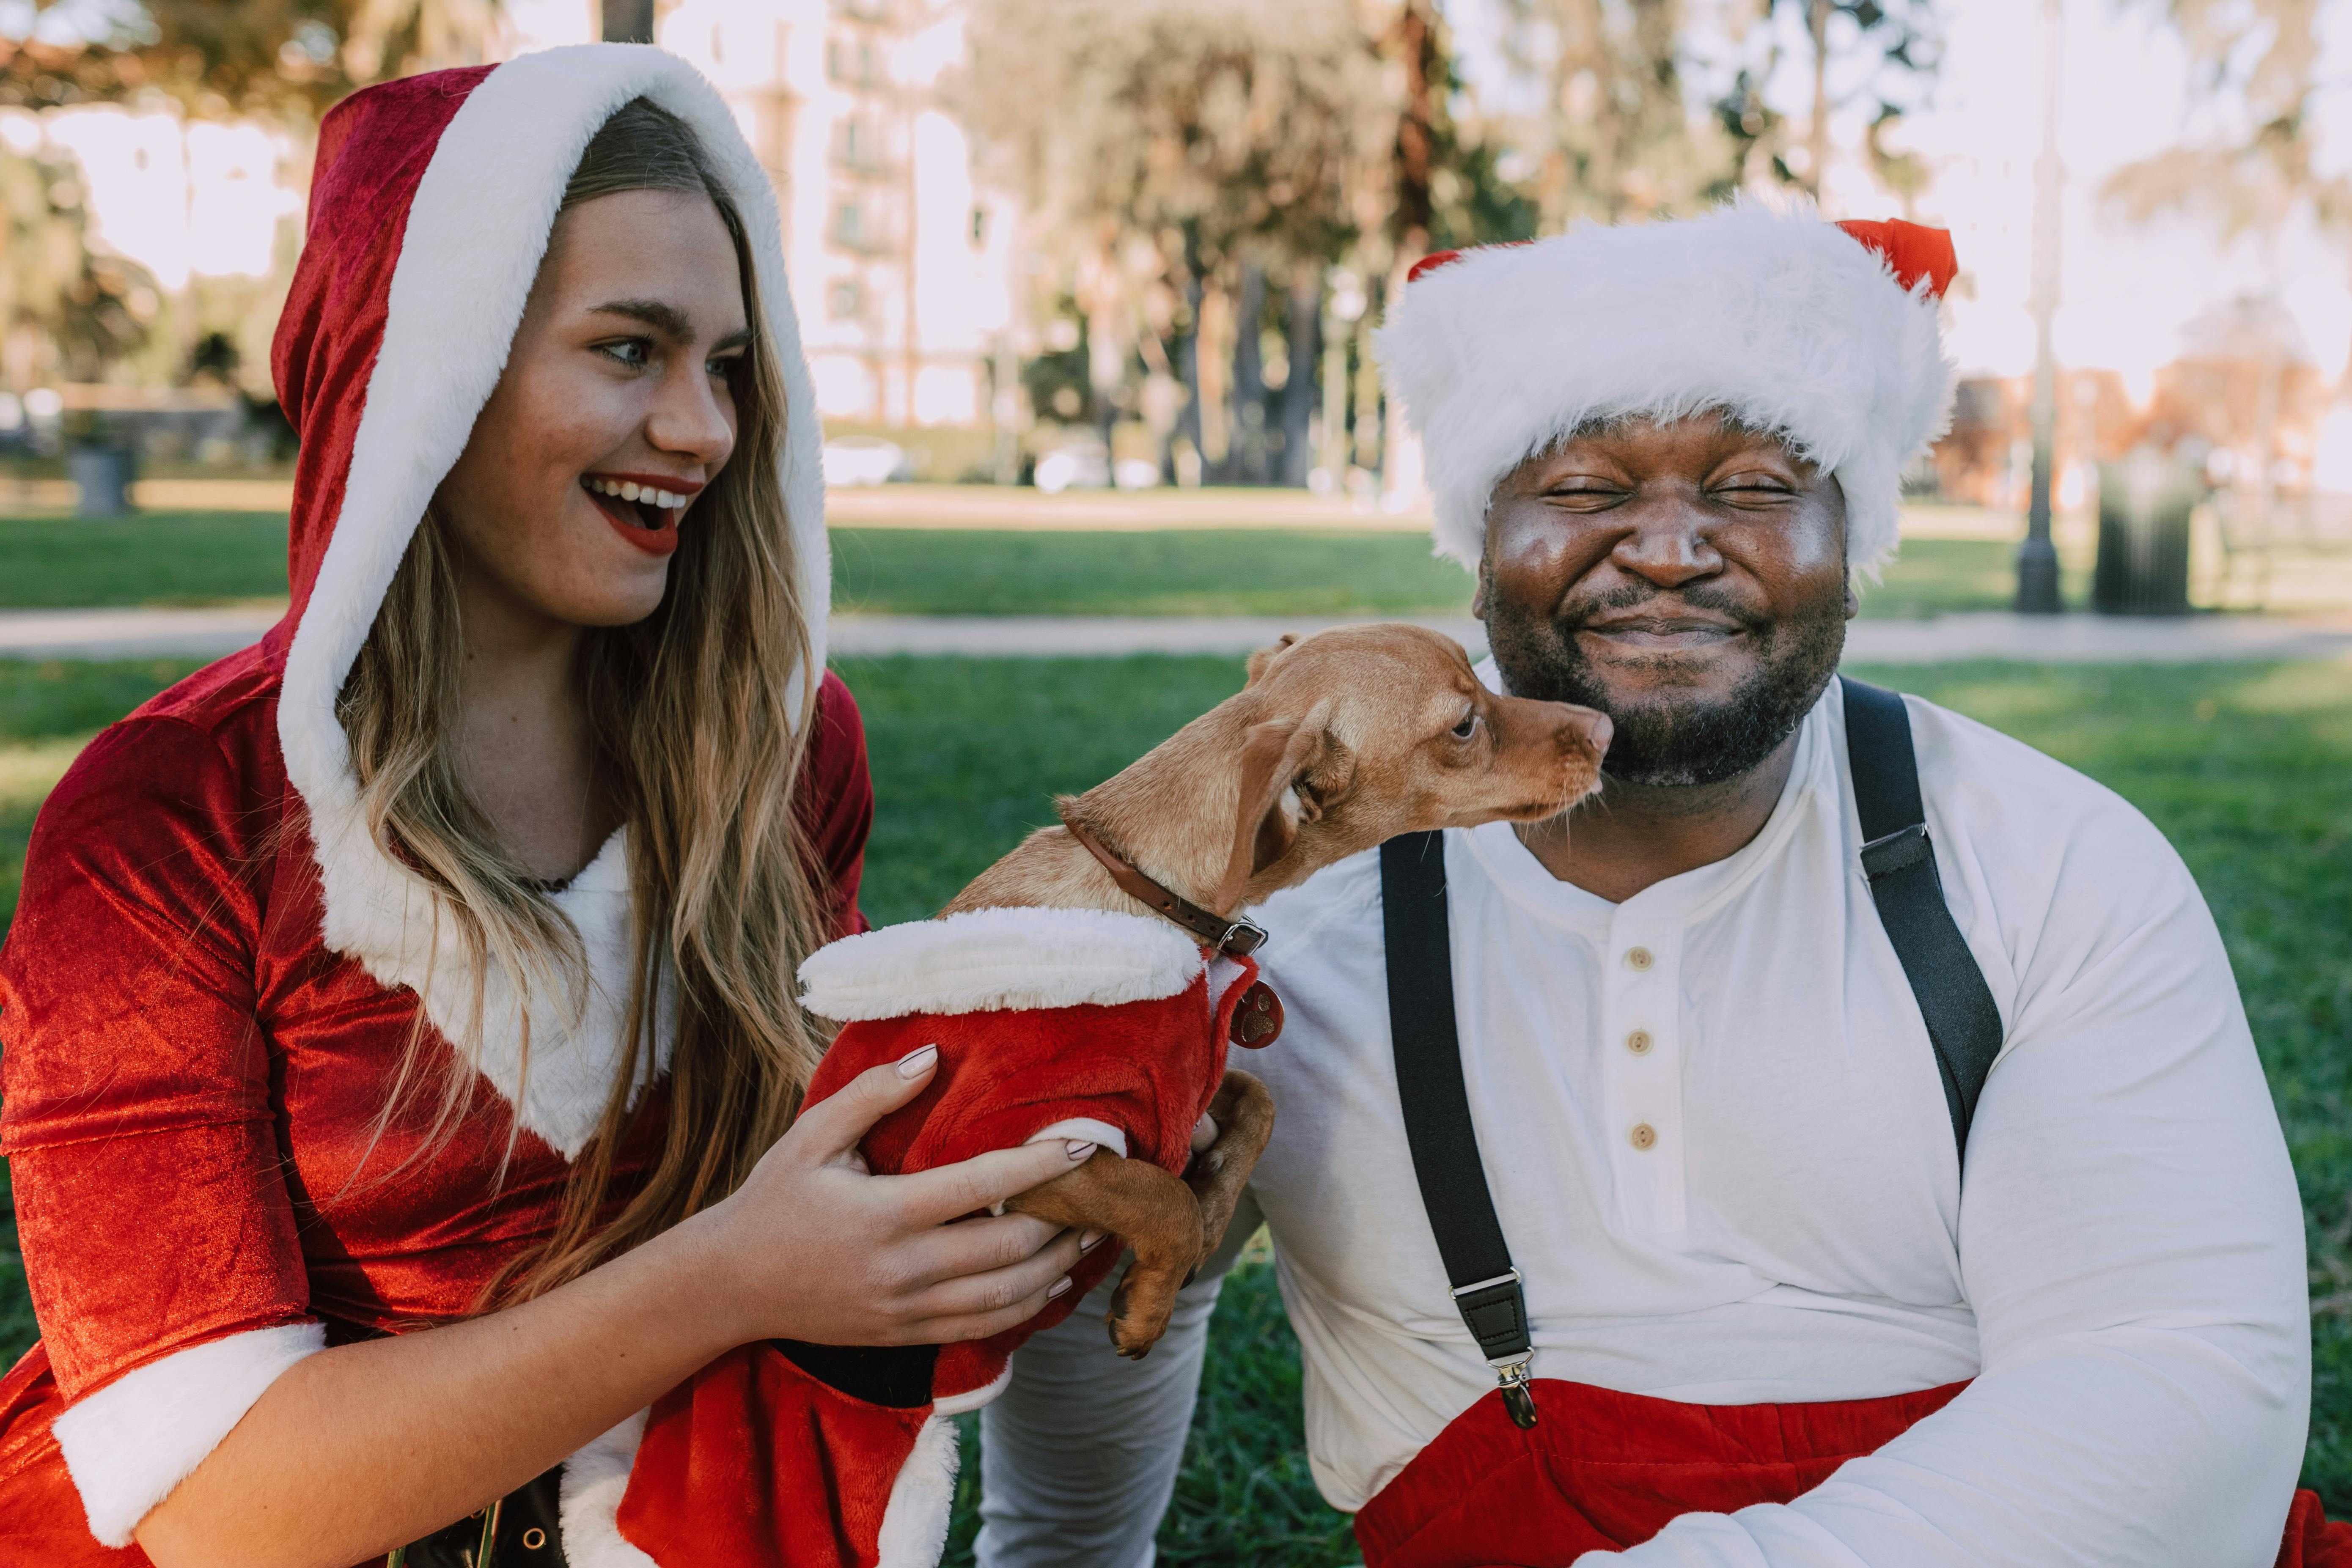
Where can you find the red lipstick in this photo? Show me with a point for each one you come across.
(645, 524)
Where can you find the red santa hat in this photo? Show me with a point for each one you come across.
(430, 209)
(1826, 333)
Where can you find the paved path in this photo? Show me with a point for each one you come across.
(133, 633)
(2074, 638)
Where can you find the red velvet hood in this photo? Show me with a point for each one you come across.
(430, 210)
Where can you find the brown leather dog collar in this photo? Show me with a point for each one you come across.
(1232, 938)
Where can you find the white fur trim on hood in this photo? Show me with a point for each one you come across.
(475, 232)
(129, 1444)
(1780, 317)
(999, 960)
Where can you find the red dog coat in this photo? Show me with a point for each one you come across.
(1050, 1024)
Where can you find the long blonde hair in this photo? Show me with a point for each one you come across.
(700, 714)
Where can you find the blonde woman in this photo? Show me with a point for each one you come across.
(401, 1059)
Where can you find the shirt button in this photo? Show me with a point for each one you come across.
(1644, 1135)
(1638, 958)
(1639, 1042)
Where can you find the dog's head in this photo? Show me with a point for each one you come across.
(1359, 734)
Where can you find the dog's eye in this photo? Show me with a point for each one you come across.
(1468, 727)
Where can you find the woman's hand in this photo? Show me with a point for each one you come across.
(815, 1247)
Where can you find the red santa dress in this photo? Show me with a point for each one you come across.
(1050, 1024)
(214, 970)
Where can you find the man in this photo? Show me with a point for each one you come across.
(1704, 1098)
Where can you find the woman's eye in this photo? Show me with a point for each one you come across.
(1468, 727)
(724, 367)
(636, 352)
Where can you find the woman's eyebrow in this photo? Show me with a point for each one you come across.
(734, 340)
(666, 318)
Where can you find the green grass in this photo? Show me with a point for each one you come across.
(191, 558)
(2247, 767)
(149, 558)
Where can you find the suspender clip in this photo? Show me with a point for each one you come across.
(1518, 1396)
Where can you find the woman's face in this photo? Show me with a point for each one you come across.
(613, 413)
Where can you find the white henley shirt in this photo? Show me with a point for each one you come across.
(1717, 1144)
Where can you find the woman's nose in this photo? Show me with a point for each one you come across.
(688, 418)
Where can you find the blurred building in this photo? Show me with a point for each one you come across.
(2242, 395)
(903, 266)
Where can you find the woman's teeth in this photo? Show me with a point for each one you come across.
(623, 489)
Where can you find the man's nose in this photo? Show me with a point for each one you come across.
(1667, 545)
(686, 417)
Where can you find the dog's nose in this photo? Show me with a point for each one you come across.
(1597, 729)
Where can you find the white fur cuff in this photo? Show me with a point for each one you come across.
(588, 1500)
(129, 1444)
(999, 960)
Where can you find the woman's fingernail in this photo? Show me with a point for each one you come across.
(914, 1063)
(1090, 1240)
(1080, 1148)
(1057, 1287)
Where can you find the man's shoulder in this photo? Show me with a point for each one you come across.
(1981, 783)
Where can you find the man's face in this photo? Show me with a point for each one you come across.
(1687, 577)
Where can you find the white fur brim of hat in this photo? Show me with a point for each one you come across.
(1778, 318)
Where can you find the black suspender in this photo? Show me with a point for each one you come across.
(1963, 1024)
(1437, 1112)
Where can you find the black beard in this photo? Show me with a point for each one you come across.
(1667, 742)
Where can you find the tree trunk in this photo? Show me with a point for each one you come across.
(1245, 447)
(628, 21)
(1299, 392)
(1816, 134)
(1189, 420)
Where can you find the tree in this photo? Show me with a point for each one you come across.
(63, 311)
(1615, 136)
(2255, 65)
(1875, 56)
(276, 58)
(1199, 146)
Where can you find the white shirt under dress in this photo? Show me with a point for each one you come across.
(1722, 1159)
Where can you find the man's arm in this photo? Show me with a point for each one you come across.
(2131, 1240)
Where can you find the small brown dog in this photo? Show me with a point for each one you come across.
(1337, 742)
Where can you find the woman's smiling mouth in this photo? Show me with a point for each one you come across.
(644, 509)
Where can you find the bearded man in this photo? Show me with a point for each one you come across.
(1838, 1169)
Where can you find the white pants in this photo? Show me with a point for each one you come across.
(1078, 1455)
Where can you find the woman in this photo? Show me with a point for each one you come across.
(400, 1048)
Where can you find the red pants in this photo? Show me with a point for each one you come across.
(1602, 1471)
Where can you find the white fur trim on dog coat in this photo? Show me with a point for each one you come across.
(989, 960)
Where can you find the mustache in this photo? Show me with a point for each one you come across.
(1573, 613)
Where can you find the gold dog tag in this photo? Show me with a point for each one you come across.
(1257, 1017)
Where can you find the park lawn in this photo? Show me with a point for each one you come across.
(194, 558)
(2247, 767)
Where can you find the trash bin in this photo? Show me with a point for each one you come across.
(2145, 501)
(102, 475)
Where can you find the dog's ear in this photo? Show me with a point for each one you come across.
(1291, 770)
(1265, 656)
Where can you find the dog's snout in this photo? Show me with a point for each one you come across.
(1596, 729)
